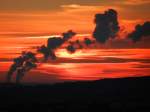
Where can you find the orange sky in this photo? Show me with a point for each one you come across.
(19, 18)
(46, 17)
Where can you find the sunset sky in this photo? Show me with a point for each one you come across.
(27, 24)
(46, 17)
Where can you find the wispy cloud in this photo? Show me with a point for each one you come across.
(136, 2)
(77, 6)
(87, 9)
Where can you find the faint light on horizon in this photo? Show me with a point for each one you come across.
(51, 36)
(71, 6)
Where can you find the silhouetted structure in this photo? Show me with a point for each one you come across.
(106, 26)
(140, 31)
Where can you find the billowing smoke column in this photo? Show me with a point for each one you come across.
(107, 26)
(140, 31)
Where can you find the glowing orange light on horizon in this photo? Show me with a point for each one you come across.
(64, 54)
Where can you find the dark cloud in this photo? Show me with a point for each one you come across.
(54, 43)
(71, 48)
(22, 65)
(47, 53)
(140, 31)
(107, 26)
(79, 44)
(87, 41)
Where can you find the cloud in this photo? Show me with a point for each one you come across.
(107, 25)
(45, 5)
(53, 43)
(140, 31)
(136, 2)
(28, 5)
(77, 6)
(89, 8)
(71, 6)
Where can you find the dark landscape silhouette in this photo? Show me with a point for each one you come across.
(107, 95)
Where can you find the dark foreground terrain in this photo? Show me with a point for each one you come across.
(108, 95)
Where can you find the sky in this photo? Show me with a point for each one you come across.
(37, 20)
(46, 17)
